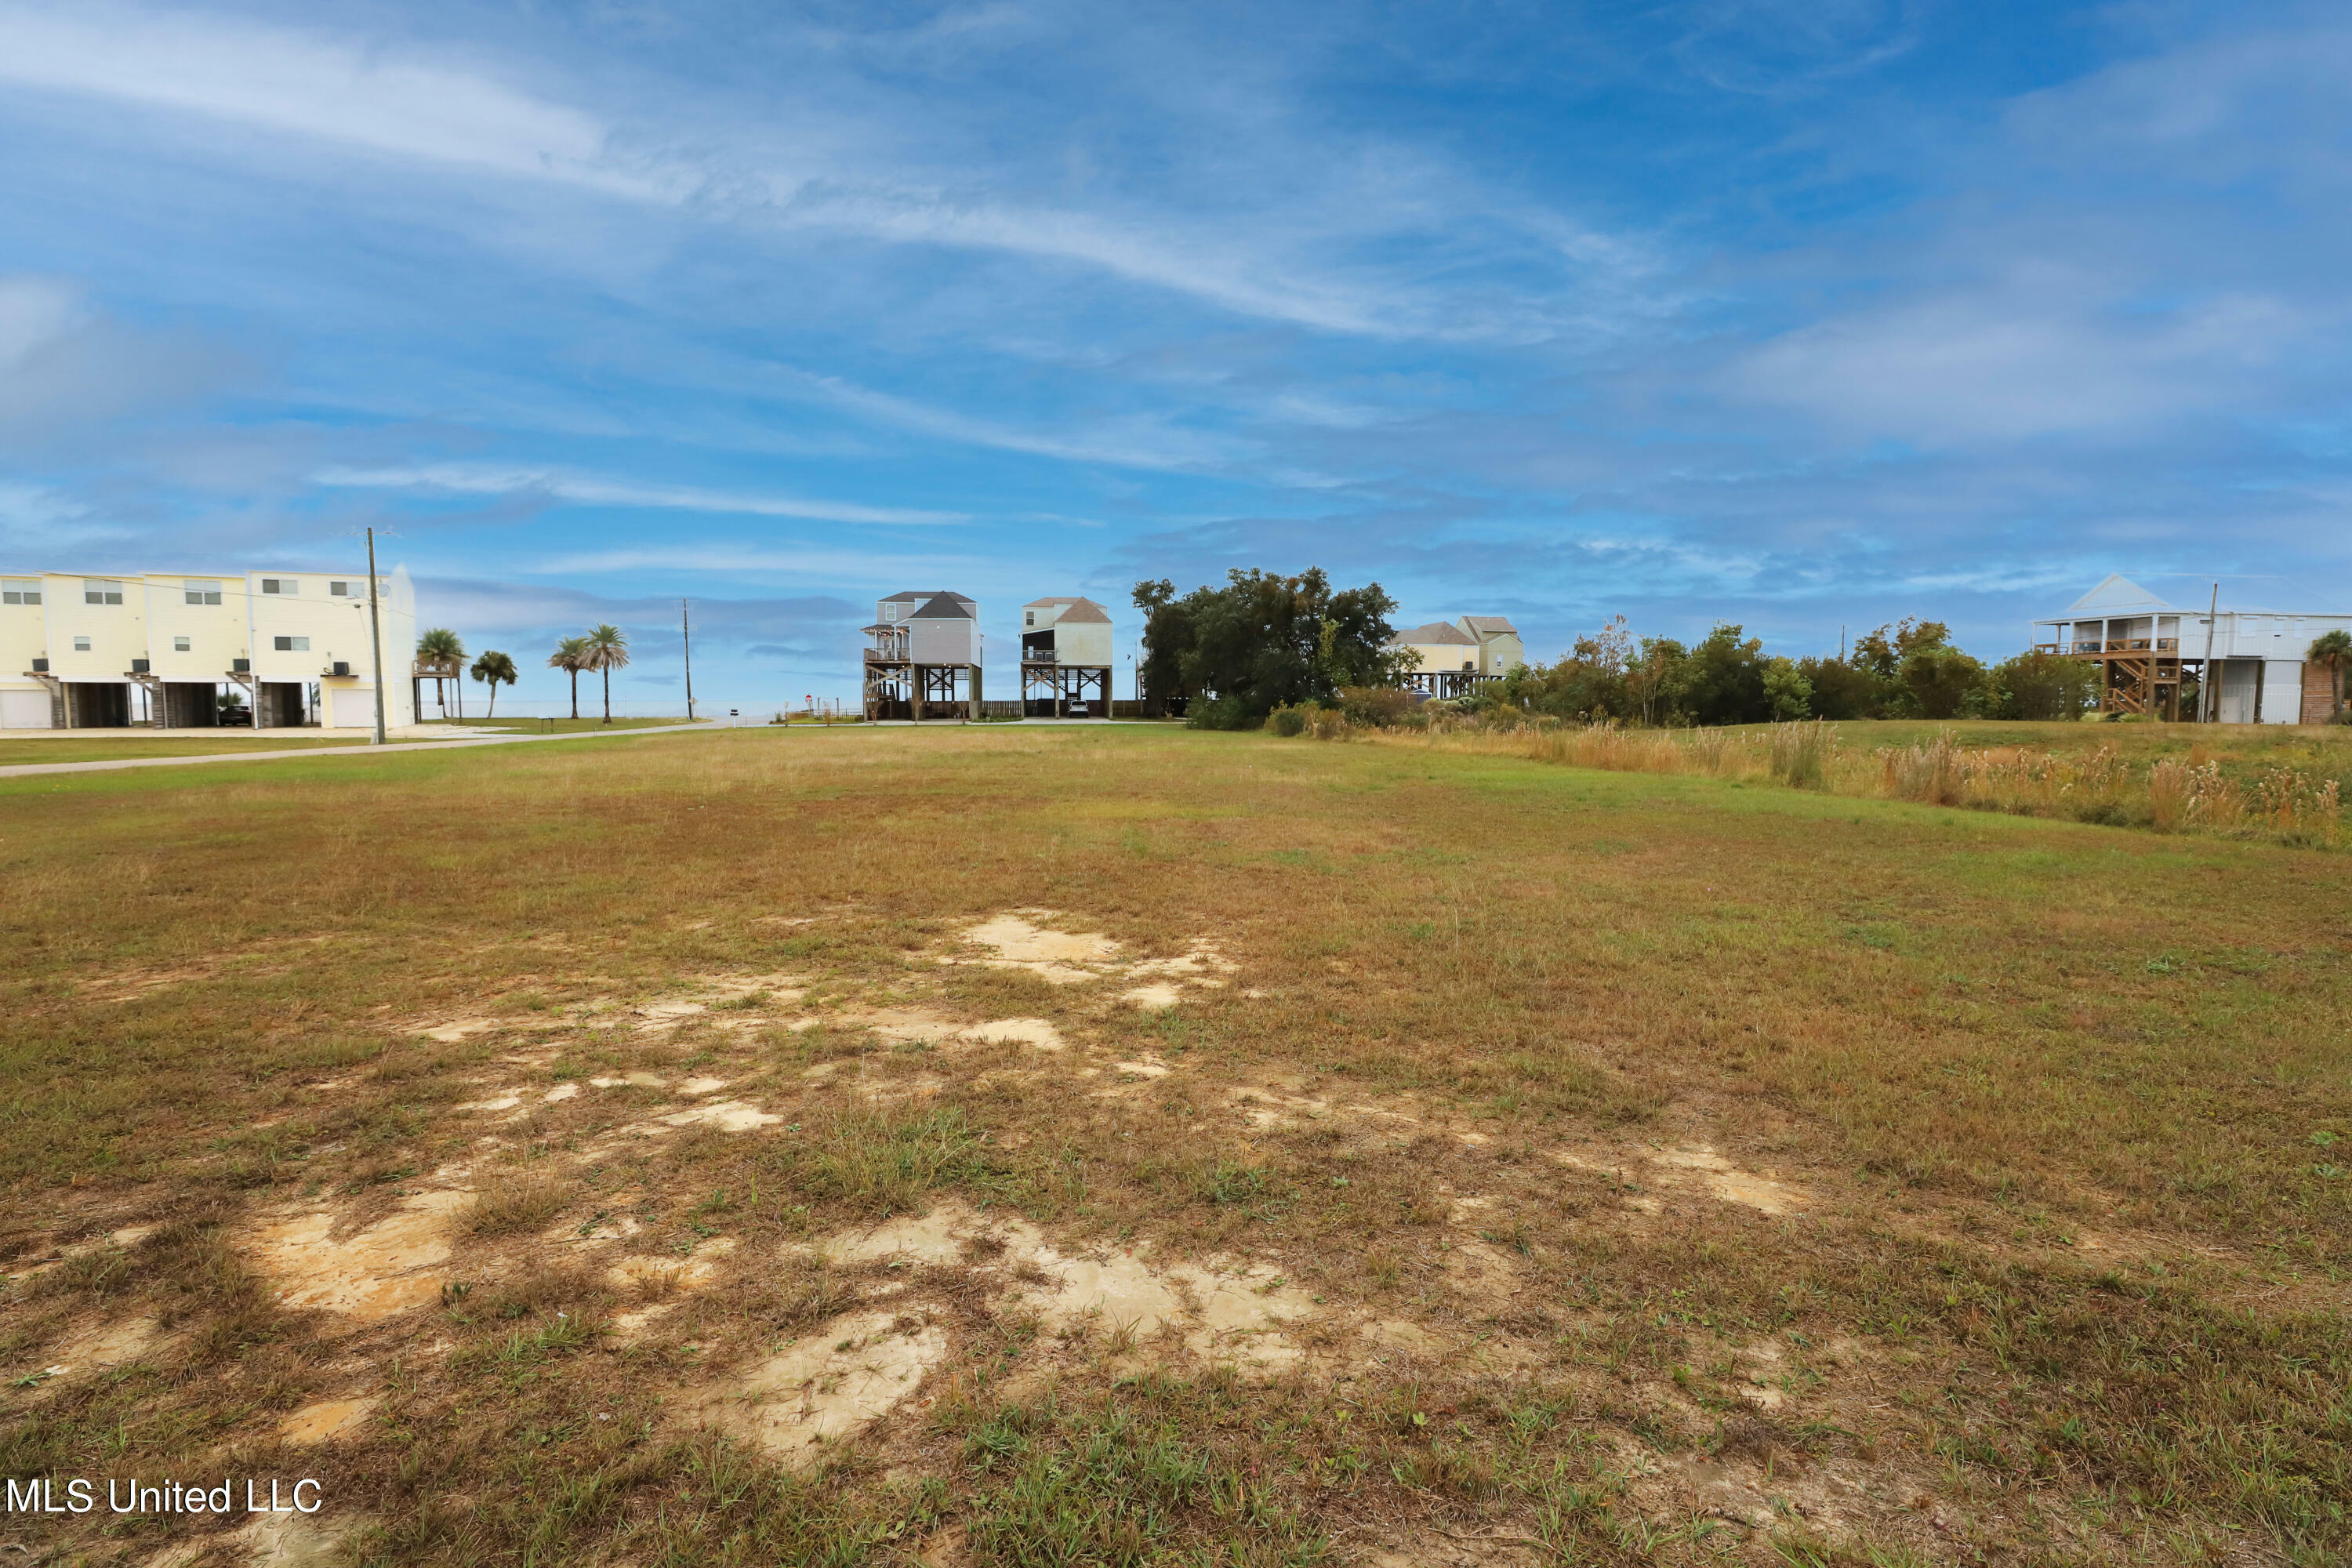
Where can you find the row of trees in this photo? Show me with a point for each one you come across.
(1229, 656)
(1908, 670)
(604, 649)
(601, 650)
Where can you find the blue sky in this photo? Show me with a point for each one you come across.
(1805, 315)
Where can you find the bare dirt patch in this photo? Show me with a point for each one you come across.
(848, 1373)
(395, 1265)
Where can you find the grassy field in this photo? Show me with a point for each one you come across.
(2275, 784)
(1126, 1145)
(549, 726)
(93, 745)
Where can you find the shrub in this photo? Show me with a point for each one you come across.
(1219, 713)
(1378, 707)
(1287, 722)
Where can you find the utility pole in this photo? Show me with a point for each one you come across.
(375, 637)
(2208, 690)
(686, 633)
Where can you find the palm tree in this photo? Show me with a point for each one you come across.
(2333, 652)
(439, 656)
(608, 650)
(494, 667)
(571, 655)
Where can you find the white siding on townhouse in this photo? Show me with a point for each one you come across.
(215, 634)
(24, 636)
(334, 628)
(117, 634)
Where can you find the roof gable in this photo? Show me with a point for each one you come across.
(1435, 632)
(1082, 612)
(1489, 626)
(2115, 595)
(946, 607)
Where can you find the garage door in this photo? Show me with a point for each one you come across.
(25, 710)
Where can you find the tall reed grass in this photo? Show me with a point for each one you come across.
(2170, 794)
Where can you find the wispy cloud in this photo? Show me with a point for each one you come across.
(457, 479)
(313, 85)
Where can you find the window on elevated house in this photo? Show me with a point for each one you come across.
(292, 644)
(20, 590)
(202, 590)
(81, 645)
(101, 591)
(179, 645)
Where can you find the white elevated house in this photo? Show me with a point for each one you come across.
(1065, 659)
(2252, 665)
(1450, 658)
(165, 649)
(923, 658)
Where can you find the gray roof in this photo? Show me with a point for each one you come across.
(947, 607)
(1489, 626)
(2117, 594)
(1435, 632)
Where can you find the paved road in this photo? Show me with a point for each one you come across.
(21, 769)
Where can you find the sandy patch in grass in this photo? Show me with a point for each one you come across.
(1730, 1184)
(1015, 940)
(325, 1420)
(559, 1094)
(1011, 941)
(627, 1081)
(695, 1086)
(833, 1383)
(458, 1029)
(726, 1115)
(392, 1265)
(665, 1274)
(1038, 1033)
(113, 1345)
(1221, 1308)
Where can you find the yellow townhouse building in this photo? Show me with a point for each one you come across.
(185, 650)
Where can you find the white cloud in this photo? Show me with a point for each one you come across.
(460, 479)
(1142, 443)
(311, 85)
(857, 566)
(1260, 249)
(2038, 355)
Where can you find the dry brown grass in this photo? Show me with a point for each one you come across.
(1639, 1151)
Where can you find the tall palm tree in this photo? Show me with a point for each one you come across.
(571, 655)
(608, 650)
(492, 668)
(439, 656)
(2333, 652)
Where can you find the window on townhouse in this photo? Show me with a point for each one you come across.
(101, 591)
(339, 589)
(81, 645)
(179, 645)
(293, 644)
(20, 590)
(286, 587)
(203, 590)
(1029, 617)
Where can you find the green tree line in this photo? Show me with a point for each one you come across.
(1910, 669)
